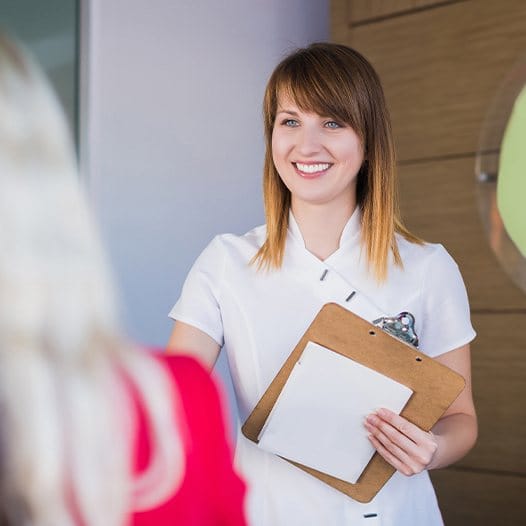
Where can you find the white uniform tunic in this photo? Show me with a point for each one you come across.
(259, 316)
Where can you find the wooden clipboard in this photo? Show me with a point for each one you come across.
(435, 386)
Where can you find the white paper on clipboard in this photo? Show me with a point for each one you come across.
(318, 417)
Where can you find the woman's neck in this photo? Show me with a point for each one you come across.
(322, 226)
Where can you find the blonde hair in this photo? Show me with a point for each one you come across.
(66, 414)
(335, 80)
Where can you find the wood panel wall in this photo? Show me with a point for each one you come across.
(441, 64)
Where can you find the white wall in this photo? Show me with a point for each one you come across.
(171, 139)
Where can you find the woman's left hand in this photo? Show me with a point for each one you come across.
(405, 446)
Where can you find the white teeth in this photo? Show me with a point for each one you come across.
(312, 168)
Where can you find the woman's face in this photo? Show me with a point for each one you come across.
(317, 157)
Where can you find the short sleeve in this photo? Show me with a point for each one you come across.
(198, 304)
(446, 314)
(211, 493)
(217, 486)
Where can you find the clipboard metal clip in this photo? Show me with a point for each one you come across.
(401, 326)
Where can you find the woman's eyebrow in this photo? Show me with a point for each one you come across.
(290, 112)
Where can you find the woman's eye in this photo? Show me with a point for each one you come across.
(291, 123)
(332, 124)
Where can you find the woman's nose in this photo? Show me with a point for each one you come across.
(309, 141)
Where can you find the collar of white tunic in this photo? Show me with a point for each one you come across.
(350, 233)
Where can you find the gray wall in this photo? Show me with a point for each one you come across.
(171, 142)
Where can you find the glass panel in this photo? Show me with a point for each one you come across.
(49, 29)
(501, 175)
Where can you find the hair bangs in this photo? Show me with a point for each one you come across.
(316, 84)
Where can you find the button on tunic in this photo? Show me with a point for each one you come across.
(259, 316)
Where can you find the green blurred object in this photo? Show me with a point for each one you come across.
(511, 182)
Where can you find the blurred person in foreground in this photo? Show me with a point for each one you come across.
(93, 431)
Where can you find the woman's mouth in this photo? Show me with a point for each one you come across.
(311, 170)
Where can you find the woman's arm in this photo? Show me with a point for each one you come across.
(186, 339)
(411, 450)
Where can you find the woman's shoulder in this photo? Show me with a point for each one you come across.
(423, 254)
(235, 247)
(254, 238)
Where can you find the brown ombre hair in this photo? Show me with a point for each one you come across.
(335, 80)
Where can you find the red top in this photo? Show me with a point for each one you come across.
(211, 494)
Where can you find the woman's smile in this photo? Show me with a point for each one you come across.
(311, 170)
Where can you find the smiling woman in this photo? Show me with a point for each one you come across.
(332, 234)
